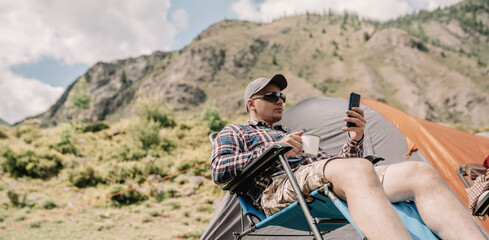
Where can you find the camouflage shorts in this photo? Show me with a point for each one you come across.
(309, 177)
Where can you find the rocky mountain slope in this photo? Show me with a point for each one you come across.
(432, 65)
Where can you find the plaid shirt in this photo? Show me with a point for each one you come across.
(238, 145)
(480, 185)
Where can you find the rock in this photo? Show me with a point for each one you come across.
(183, 93)
(13, 184)
(143, 190)
(105, 215)
(196, 180)
(188, 192)
(115, 132)
(153, 177)
(396, 38)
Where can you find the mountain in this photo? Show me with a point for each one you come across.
(432, 65)
(3, 123)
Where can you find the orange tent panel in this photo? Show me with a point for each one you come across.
(444, 147)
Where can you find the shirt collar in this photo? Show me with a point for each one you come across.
(264, 124)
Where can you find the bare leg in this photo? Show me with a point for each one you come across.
(356, 181)
(439, 208)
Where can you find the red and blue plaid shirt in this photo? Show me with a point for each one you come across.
(238, 145)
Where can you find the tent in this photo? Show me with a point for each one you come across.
(390, 133)
(484, 134)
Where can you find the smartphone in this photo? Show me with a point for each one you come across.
(354, 102)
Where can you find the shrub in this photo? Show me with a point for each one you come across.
(366, 36)
(173, 205)
(96, 127)
(481, 63)
(15, 199)
(121, 172)
(78, 98)
(167, 145)
(130, 152)
(126, 198)
(28, 131)
(137, 171)
(86, 176)
(154, 109)
(213, 120)
(173, 192)
(145, 131)
(160, 197)
(35, 225)
(3, 133)
(159, 166)
(65, 145)
(25, 162)
(49, 204)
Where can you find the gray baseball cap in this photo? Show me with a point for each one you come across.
(259, 83)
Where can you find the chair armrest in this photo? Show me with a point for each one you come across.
(374, 159)
(469, 172)
(241, 183)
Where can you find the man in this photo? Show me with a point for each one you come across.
(369, 191)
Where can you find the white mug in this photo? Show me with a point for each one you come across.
(310, 145)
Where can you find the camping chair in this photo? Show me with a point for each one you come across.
(323, 214)
(468, 173)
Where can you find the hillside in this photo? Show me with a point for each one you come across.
(3, 123)
(462, 28)
(414, 63)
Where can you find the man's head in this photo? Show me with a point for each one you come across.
(264, 98)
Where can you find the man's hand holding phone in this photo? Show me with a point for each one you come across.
(355, 121)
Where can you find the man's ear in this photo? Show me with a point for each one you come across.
(251, 105)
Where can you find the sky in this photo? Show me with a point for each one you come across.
(45, 45)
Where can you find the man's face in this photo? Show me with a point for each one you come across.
(270, 112)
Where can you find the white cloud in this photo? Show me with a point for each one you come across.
(75, 31)
(379, 10)
(246, 10)
(86, 31)
(180, 18)
(22, 97)
(434, 4)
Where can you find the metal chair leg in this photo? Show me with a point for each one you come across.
(302, 202)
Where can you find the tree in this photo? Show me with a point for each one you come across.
(366, 36)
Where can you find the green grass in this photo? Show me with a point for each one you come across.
(98, 170)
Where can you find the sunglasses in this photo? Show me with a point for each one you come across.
(272, 97)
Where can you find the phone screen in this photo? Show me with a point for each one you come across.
(354, 102)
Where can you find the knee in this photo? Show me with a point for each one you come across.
(358, 170)
(351, 175)
(360, 165)
(423, 173)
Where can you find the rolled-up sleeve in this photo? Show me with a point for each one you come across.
(352, 148)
